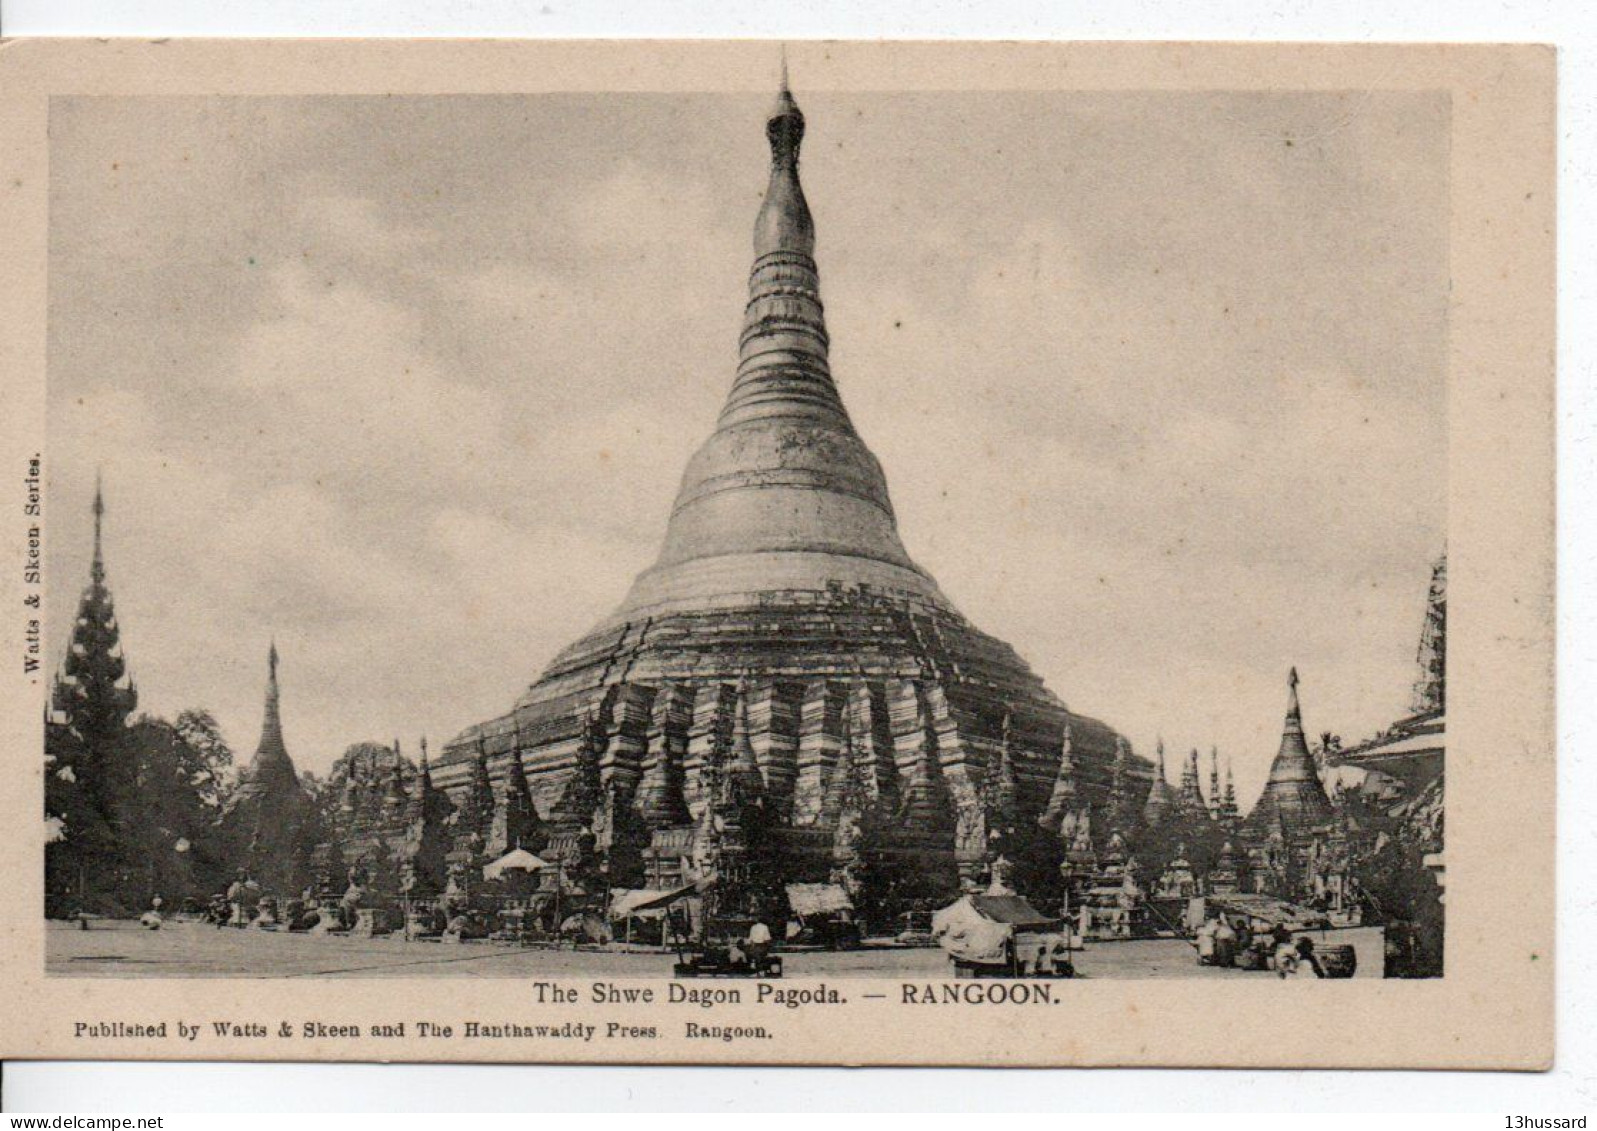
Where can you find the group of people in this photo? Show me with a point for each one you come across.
(1224, 942)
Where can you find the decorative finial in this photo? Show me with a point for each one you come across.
(271, 659)
(784, 69)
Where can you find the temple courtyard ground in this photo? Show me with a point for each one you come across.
(117, 949)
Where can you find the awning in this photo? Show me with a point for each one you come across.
(817, 899)
(517, 860)
(639, 900)
(1014, 911)
(1261, 907)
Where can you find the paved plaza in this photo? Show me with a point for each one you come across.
(118, 949)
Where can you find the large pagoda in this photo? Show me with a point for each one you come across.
(784, 615)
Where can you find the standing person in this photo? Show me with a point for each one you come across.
(758, 944)
(251, 901)
(1206, 943)
(235, 900)
(1225, 943)
(1308, 965)
(1279, 937)
(1286, 960)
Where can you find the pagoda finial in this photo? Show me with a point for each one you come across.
(784, 223)
(97, 567)
(1159, 750)
(1294, 714)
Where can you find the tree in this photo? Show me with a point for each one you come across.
(180, 787)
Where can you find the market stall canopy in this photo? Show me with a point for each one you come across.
(585, 927)
(966, 934)
(1013, 910)
(642, 900)
(817, 899)
(1263, 908)
(517, 860)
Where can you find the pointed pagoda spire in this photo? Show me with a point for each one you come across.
(1161, 798)
(784, 485)
(1190, 799)
(1214, 781)
(1122, 807)
(396, 799)
(516, 820)
(925, 803)
(428, 803)
(1228, 804)
(843, 780)
(97, 565)
(424, 783)
(1430, 689)
(90, 694)
(743, 767)
(271, 762)
(661, 797)
(1063, 799)
(583, 791)
(268, 811)
(1003, 789)
(1293, 798)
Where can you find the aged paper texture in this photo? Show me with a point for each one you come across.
(458, 609)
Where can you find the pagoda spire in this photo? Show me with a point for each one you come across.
(1430, 689)
(1214, 781)
(1063, 800)
(1003, 800)
(90, 693)
(516, 820)
(660, 798)
(1161, 798)
(1190, 799)
(784, 482)
(1228, 805)
(1122, 805)
(924, 801)
(97, 565)
(271, 762)
(744, 767)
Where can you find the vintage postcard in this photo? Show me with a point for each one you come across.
(833, 553)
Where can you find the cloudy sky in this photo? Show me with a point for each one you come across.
(1157, 380)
